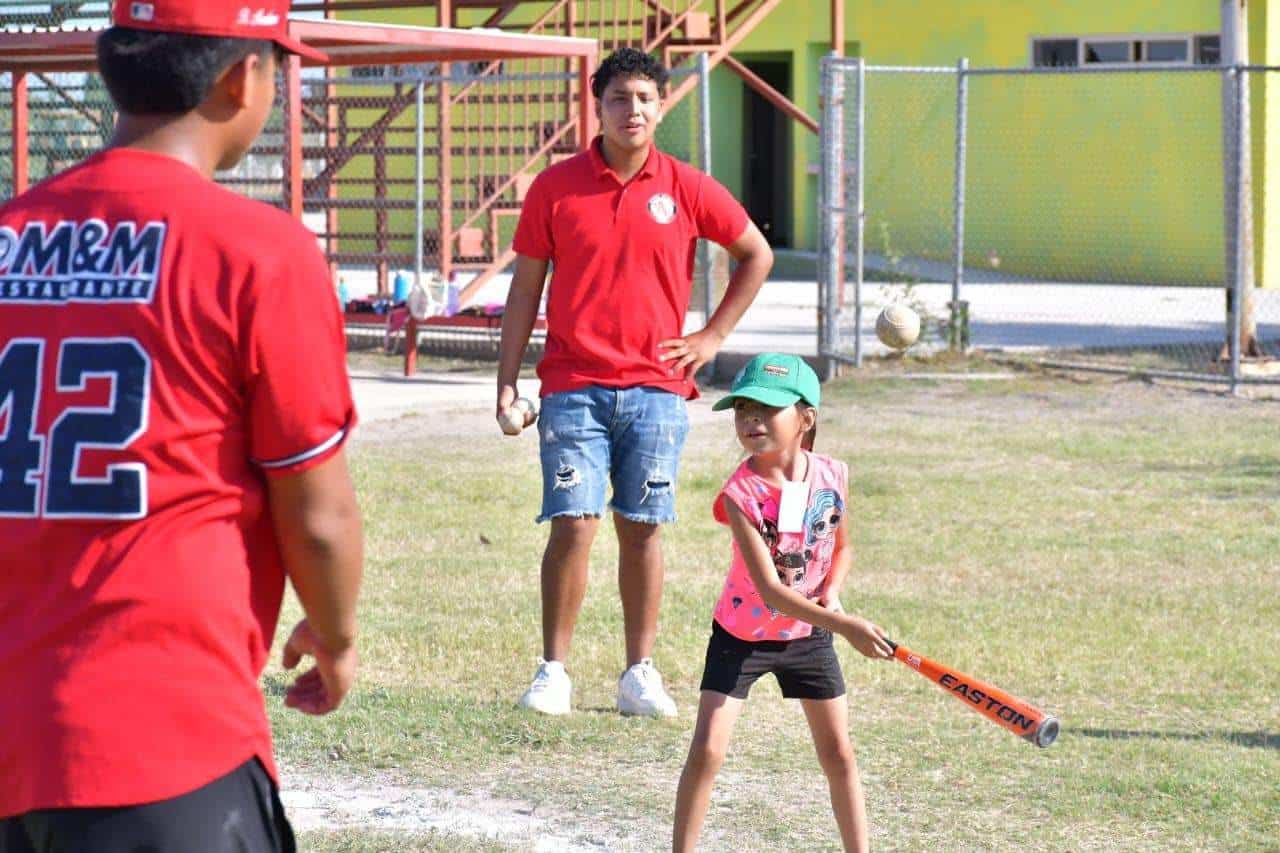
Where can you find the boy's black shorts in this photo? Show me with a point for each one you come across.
(806, 668)
(239, 812)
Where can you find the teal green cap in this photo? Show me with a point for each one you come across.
(775, 379)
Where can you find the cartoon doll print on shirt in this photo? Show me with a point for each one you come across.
(820, 523)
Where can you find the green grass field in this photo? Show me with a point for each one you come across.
(1107, 550)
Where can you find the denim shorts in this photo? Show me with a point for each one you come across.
(630, 438)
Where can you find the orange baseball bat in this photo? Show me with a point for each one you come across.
(1007, 711)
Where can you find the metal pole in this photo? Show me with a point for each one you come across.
(293, 135)
(704, 154)
(828, 250)
(958, 336)
(859, 211)
(1237, 207)
(18, 129)
(411, 325)
(419, 158)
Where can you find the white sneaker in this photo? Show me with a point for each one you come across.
(640, 692)
(549, 693)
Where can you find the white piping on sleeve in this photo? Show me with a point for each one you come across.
(306, 454)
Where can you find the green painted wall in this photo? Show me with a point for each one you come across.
(1081, 178)
(1115, 178)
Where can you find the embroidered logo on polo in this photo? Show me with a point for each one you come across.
(80, 262)
(662, 208)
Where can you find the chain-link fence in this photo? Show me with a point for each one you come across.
(1075, 217)
(409, 174)
(507, 122)
(6, 132)
(54, 14)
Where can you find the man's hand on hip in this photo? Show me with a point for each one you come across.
(689, 353)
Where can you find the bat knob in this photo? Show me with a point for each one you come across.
(1047, 733)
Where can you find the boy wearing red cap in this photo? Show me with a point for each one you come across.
(173, 409)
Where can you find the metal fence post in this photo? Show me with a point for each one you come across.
(859, 213)
(827, 269)
(704, 154)
(834, 215)
(1236, 191)
(411, 324)
(19, 133)
(958, 329)
(419, 166)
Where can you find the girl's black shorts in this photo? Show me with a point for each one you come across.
(806, 668)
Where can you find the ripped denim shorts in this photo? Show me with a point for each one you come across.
(630, 438)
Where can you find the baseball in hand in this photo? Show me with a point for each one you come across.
(898, 327)
(514, 419)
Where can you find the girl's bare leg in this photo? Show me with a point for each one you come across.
(829, 723)
(717, 714)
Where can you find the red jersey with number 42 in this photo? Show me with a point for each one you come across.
(165, 344)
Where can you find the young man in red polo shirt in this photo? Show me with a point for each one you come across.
(619, 223)
(173, 407)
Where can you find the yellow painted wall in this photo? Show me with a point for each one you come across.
(1115, 178)
(1135, 196)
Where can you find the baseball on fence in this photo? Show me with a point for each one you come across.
(522, 413)
(898, 326)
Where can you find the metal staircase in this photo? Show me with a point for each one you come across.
(482, 130)
(497, 124)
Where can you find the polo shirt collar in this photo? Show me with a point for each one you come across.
(602, 168)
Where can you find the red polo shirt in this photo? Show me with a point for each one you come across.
(623, 264)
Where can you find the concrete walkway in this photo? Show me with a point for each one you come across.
(1003, 316)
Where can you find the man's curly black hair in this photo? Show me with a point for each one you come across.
(628, 62)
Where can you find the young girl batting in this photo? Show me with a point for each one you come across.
(781, 601)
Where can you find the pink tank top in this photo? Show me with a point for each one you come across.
(802, 560)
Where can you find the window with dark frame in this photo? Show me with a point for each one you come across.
(1107, 51)
(1203, 49)
(1208, 50)
(1166, 50)
(1056, 53)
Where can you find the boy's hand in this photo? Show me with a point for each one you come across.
(831, 600)
(507, 394)
(691, 351)
(866, 638)
(322, 688)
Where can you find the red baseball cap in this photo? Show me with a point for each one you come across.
(244, 19)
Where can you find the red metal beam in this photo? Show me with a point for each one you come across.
(18, 127)
(431, 43)
(493, 66)
(347, 43)
(716, 56)
(445, 132)
(674, 24)
(346, 153)
(837, 27)
(586, 115)
(503, 185)
(473, 286)
(500, 14)
(738, 10)
(293, 122)
(770, 94)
